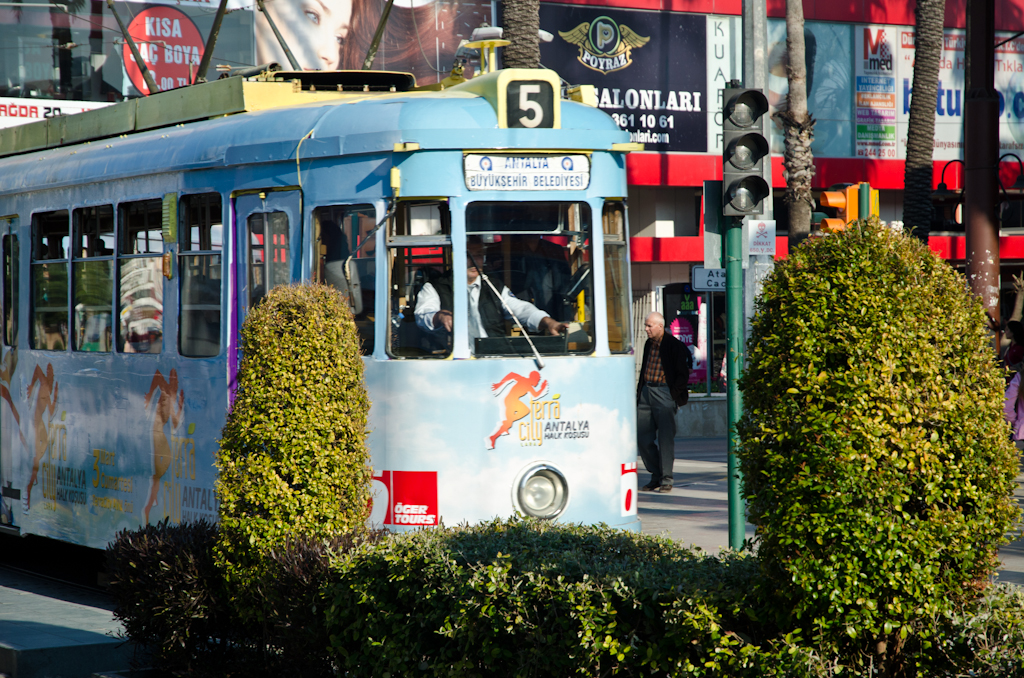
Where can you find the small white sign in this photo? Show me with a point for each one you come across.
(707, 279)
(762, 237)
(527, 173)
(15, 111)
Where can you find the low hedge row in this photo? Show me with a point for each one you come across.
(177, 607)
(525, 598)
(506, 598)
(169, 594)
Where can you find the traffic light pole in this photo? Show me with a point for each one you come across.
(744, 190)
(734, 399)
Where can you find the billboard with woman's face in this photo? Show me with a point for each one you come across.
(421, 36)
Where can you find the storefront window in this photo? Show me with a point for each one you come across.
(76, 53)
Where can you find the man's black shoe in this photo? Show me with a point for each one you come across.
(650, 487)
(665, 487)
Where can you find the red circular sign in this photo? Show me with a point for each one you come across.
(170, 45)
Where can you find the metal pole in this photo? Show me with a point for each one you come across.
(280, 39)
(211, 41)
(981, 155)
(734, 306)
(864, 200)
(755, 74)
(371, 53)
(146, 75)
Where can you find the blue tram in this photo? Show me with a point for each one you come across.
(134, 240)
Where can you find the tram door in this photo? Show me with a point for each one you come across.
(10, 496)
(268, 225)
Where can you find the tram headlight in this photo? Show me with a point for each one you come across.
(542, 492)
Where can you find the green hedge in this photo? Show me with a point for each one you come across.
(505, 599)
(293, 462)
(875, 456)
(532, 598)
(169, 594)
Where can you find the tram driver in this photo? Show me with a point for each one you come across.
(487, 314)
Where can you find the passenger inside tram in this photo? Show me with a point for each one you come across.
(537, 257)
(491, 303)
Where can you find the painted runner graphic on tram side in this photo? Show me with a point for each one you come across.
(486, 421)
(78, 473)
(526, 173)
(537, 420)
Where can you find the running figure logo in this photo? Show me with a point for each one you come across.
(46, 400)
(515, 409)
(164, 412)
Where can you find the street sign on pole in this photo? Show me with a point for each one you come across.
(707, 279)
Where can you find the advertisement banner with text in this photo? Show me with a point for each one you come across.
(421, 36)
(21, 111)
(648, 69)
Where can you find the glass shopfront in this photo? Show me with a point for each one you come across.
(73, 55)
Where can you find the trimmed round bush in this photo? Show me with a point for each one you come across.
(875, 457)
(293, 460)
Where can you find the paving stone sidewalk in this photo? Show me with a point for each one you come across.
(54, 630)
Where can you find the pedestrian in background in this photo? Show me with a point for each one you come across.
(1014, 354)
(1013, 409)
(662, 389)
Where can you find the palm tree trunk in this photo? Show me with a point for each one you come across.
(917, 183)
(522, 21)
(798, 128)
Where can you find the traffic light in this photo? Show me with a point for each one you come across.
(848, 201)
(844, 202)
(745, 151)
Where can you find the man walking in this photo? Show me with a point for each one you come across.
(663, 387)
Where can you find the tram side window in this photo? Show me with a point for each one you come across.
(268, 254)
(616, 276)
(92, 278)
(140, 289)
(420, 281)
(50, 242)
(200, 271)
(11, 281)
(344, 265)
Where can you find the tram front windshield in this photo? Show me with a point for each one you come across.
(537, 256)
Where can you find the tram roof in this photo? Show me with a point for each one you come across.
(246, 121)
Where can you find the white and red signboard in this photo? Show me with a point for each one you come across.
(15, 111)
(762, 237)
(170, 45)
(627, 489)
(407, 498)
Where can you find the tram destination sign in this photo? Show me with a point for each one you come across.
(526, 172)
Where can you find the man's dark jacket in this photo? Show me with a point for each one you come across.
(676, 361)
